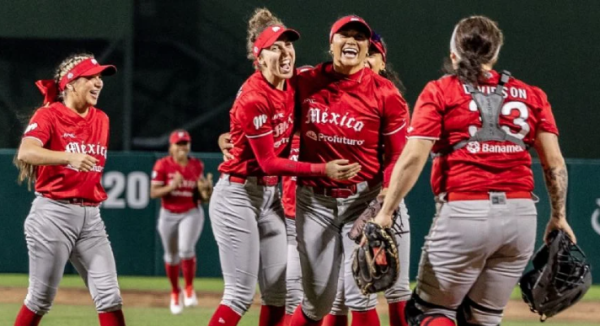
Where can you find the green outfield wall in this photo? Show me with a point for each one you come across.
(130, 214)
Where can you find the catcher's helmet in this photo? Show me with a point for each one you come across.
(560, 277)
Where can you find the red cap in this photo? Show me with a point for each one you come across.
(271, 34)
(377, 43)
(340, 23)
(178, 136)
(88, 67)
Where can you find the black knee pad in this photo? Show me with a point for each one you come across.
(416, 317)
(465, 312)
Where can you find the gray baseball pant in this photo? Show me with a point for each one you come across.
(320, 221)
(248, 224)
(476, 249)
(56, 232)
(179, 233)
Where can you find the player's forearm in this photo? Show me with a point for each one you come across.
(37, 155)
(556, 183)
(406, 173)
(160, 191)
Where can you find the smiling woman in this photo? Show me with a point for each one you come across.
(348, 111)
(246, 213)
(63, 151)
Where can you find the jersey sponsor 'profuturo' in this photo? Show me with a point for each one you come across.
(445, 112)
(183, 198)
(58, 128)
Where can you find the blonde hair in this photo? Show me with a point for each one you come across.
(28, 172)
(66, 65)
(261, 19)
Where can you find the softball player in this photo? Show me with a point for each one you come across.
(398, 295)
(346, 111)
(64, 152)
(484, 229)
(178, 180)
(246, 213)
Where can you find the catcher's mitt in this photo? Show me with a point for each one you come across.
(560, 277)
(375, 264)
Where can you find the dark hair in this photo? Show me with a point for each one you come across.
(389, 71)
(28, 172)
(476, 41)
(261, 19)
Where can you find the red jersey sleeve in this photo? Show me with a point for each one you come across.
(395, 121)
(546, 120)
(255, 116)
(40, 126)
(427, 115)
(159, 175)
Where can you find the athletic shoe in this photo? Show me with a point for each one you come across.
(176, 302)
(190, 299)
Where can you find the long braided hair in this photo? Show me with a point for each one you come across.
(28, 172)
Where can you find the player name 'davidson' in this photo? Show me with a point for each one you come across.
(513, 91)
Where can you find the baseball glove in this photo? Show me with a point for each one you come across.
(375, 264)
(560, 277)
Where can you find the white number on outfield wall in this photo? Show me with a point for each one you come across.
(135, 186)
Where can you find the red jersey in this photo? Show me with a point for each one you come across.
(288, 184)
(58, 128)
(181, 199)
(259, 110)
(446, 112)
(346, 117)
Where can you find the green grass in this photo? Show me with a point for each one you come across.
(125, 282)
(62, 315)
(65, 315)
(204, 284)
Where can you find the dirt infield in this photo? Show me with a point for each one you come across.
(516, 310)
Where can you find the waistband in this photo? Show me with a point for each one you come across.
(347, 191)
(75, 201)
(457, 196)
(269, 180)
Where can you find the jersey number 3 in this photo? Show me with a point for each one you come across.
(507, 108)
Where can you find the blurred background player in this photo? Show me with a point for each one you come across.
(178, 179)
(346, 111)
(246, 213)
(63, 151)
(484, 229)
(400, 293)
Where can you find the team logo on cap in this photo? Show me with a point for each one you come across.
(473, 147)
(180, 134)
(94, 61)
(70, 75)
(276, 28)
(354, 19)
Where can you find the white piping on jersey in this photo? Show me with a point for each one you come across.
(41, 142)
(395, 131)
(423, 137)
(257, 136)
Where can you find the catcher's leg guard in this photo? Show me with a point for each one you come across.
(416, 317)
(468, 308)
